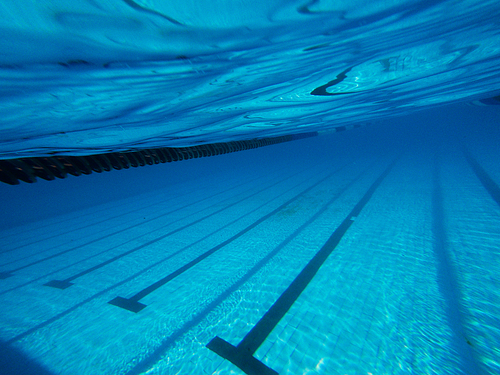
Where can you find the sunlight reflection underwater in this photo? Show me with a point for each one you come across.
(82, 78)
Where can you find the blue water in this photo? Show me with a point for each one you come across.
(374, 250)
(86, 76)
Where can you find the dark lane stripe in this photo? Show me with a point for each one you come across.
(447, 279)
(133, 304)
(145, 234)
(126, 280)
(82, 219)
(118, 284)
(66, 283)
(148, 220)
(7, 274)
(489, 184)
(242, 355)
(159, 352)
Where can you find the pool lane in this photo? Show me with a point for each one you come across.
(242, 354)
(151, 218)
(133, 304)
(489, 184)
(384, 298)
(278, 190)
(155, 356)
(472, 222)
(143, 224)
(66, 283)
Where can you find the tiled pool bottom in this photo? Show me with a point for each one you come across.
(411, 286)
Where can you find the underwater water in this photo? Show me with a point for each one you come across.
(371, 248)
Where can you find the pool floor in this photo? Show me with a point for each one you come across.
(181, 280)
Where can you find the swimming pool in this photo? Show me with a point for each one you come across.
(147, 284)
(363, 239)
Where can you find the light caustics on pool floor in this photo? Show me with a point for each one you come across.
(354, 266)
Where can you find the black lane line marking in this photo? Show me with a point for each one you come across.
(142, 207)
(169, 256)
(133, 304)
(135, 225)
(489, 184)
(85, 226)
(66, 283)
(110, 218)
(7, 274)
(159, 352)
(130, 278)
(120, 283)
(242, 354)
(449, 286)
(81, 219)
(141, 222)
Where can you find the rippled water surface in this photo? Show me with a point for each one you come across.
(87, 76)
